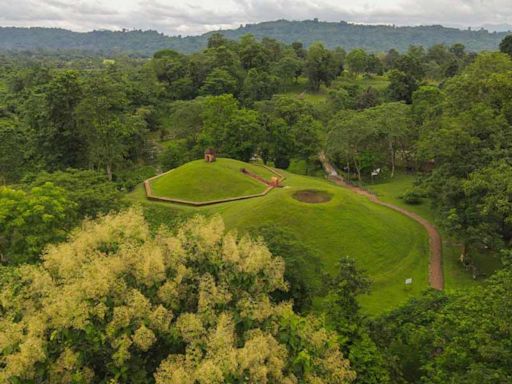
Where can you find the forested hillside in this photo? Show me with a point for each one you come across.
(375, 38)
(314, 282)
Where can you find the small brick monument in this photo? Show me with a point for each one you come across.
(209, 155)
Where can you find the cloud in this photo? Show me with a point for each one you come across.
(198, 16)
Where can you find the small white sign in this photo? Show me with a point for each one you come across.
(408, 281)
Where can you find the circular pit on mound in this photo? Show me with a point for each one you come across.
(312, 196)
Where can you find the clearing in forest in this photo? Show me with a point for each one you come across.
(385, 243)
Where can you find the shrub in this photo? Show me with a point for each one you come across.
(412, 197)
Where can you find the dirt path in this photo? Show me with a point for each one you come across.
(436, 276)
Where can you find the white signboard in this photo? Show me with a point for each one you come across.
(408, 281)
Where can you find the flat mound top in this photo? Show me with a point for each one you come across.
(201, 181)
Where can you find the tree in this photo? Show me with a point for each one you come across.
(279, 145)
(29, 221)
(472, 136)
(258, 85)
(319, 67)
(63, 96)
(49, 112)
(441, 337)
(241, 135)
(506, 45)
(288, 68)
(253, 54)
(307, 137)
(357, 61)
(234, 132)
(105, 125)
(367, 99)
(401, 86)
(174, 155)
(427, 104)
(16, 147)
(344, 313)
(302, 266)
(351, 139)
(374, 65)
(116, 303)
(298, 47)
(394, 123)
(172, 69)
(216, 39)
(348, 283)
(219, 82)
(90, 191)
(390, 59)
(411, 65)
(290, 130)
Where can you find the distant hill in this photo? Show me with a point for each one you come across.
(373, 38)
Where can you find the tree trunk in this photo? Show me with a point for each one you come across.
(392, 153)
(358, 173)
(109, 171)
(464, 253)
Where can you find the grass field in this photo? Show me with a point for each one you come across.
(389, 246)
(390, 190)
(202, 181)
(380, 83)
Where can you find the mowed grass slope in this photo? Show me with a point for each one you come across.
(389, 246)
(391, 189)
(202, 181)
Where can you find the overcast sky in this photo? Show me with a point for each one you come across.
(190, 17)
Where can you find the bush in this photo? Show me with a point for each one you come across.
(412, 197)
(174, 155)
(90, 190)
(128, 179)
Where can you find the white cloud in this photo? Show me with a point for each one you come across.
(198, 16)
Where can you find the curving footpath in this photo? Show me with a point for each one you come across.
(436, 277)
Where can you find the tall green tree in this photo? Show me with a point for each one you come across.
(357, 61)
(258, 85)
(31, 220)
(16, 150)
(219, 82)
(105, 123)
(116, 303)
(319, 67)
(401, 86)
(506, 45)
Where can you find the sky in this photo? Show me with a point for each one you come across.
(192, 17)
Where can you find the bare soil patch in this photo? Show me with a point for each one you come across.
(312, 196)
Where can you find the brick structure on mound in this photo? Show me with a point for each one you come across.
(274, 182)
(210, 155)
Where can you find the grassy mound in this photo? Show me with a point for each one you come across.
(202, 181)
(389, 246)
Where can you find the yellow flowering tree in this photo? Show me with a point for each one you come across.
(116, 304)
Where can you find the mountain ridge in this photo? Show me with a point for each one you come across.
(374, 38)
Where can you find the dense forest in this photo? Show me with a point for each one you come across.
(97, 289)
(372, 38)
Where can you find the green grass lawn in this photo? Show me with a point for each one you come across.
(380, 83)
(202, 181)
(456, 276)
(389, 246)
